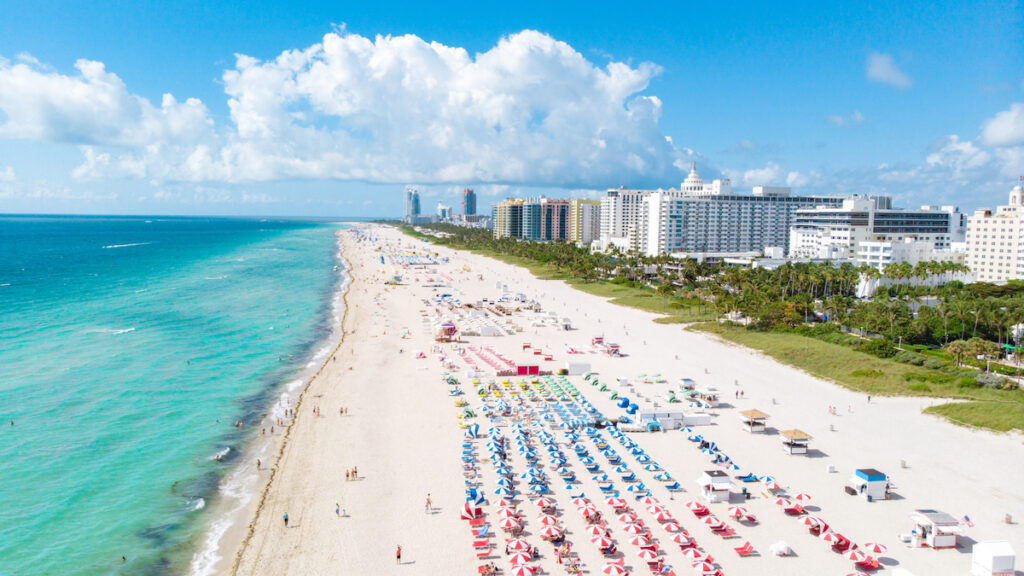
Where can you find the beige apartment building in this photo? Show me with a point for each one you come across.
(994, 252)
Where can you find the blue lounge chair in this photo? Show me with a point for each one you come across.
(674, 487)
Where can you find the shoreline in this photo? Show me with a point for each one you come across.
(240, 498)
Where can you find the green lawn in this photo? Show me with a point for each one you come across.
(994, 409)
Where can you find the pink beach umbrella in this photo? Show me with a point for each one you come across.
(547, 519)
(615, 502)
(832, 537)
(875, 548)
(712, 521)
(543, 502)
(810, 521)
(693, 554)
(522, 570)
(772, 485)
(639, 540)
(469, 511)
(505, 504)
(632, 528)
(518, 544)
(550, 532)
(663, 516)
(703, 566)
(508, 523)
(648, 500)
(737, 511)
(506, 513)
(594, 530)
(801, 496)
(855, 555)
(613, 570)
(626, 517)
(672, 527)
(655, 508)
(520, 558)
(602, 541)
(681, 539)
(694, 505)
(580, 501)
(646, 555)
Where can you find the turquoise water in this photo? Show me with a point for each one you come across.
(129, 347)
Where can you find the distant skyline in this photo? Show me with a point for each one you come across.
(331, 109)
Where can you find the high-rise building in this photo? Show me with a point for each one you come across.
(869, 230)
(542, 219)
(507, 218)
(444, 212)
(468, 202)
(412, 205)
(994, 251)
(584, 221)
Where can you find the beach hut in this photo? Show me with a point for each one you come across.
(869, 483)
(715, 485)
(993, 559)
(754, 420)
(576, 368)
(709, 395)
(795, 441)
(934, 529)
(686, 384)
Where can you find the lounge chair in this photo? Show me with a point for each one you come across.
(869, 563)
(745, 550)
(483, 531)
(727, 533)
(485, 553)
(481, 543)
(631, 477)
(795, 510)
(674, 487)
(477, 521)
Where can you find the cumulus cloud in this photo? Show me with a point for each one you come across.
(840, 120)
(531, 110)
(7, 175)
(1005, 128)
(882, 68)
(772, 175)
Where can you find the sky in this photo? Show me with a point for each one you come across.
(332, 108)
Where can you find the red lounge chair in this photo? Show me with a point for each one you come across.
(869, 563)
(484, 553)
(727, 533)
(795, 510)
(477, 521)
(751, 518)
(745, 550)
(482, 543)
(620, 562)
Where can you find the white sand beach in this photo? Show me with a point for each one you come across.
(402, 433)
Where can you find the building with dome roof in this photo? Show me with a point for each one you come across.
(994, 251)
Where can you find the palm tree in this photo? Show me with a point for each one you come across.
(957, 348)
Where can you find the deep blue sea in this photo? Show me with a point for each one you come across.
(129, 347)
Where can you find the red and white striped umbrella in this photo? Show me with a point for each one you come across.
(469, 511)
(615, 502)
(875, 548)
(506, 513)
(672, 527)
(681, 538)
(783, 502)
(543, 502)
(655, 508)
(613, 570)
(633, 528)
(648, 500)
(579, 501)
(508, 523)
(547, 519)
(518, 544)
(809, 521)
(833, 537)
(801, 496)
(639, 540)
(602, 541)
(505, 504)
(646, 555)
(550, 532)
(694, 505)
(712, 521)
(693, 554)
(772, 485)
(703, 566)
(520, 558)
(663, 516)
(594, 530)
(855, 555)
(522, 570)
(737, 511)
(626, 517)
(587, 509)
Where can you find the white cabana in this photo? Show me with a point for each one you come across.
(995, 558)
(715, 486)
(795, 441)
(934, 529)
(754, 420)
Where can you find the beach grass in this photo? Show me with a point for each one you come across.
(989, 408)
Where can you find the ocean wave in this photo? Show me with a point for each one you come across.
(198, 504)
(127, 245)
(214, 277)
(220, 454)
(110, 331)
(5, 284)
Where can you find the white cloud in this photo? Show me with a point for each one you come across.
(839, 120)
(883, 69)
(7, 176)
(531, 110)
(772, 175)
(1006, 128)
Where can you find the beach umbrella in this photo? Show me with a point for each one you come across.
(832, 537)
(663, 476)
(627, 517)
(737, 511)
(506, 512)
(703, 566)
(767, 479)
(520, 558)
(518, 544)
(663, 516)
(639, 540)
(672, 526)
(522, 570)
(602, 541)
(594, 530)
(547, 519)
(693, 554)
(504, 482)
(681, 539)
(508, 523)
(712, 521)
(652, 467)
(613, 570)
(647, 555)
(648, 500)
(801, 496)
(469, 511)
(550, 532)
(655, 508)
(504, 492)
(643, 458)
(694, 505)
(783, 502)
(544, 503)
(580, 501)
(810, 521)
(600, 478)
(772, 485)
(855, 555)
(622, 468)
(632, 528)
(875, 548)
(615, 502)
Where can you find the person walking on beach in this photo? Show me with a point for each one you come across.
(428, 506)
(285, 519)
(398, 555)
(337, 510)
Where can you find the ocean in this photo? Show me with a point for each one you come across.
(129, 348)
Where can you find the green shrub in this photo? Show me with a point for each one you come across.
(908, 357)
(866, 373)
(879, 347)
(920, 387)
(914, 377)
(990, 380)
(967, 382)
(934, 364)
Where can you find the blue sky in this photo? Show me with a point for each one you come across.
(923, 101)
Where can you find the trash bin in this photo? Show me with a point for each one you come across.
(870, 498)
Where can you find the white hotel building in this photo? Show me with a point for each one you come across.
(994, 251)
